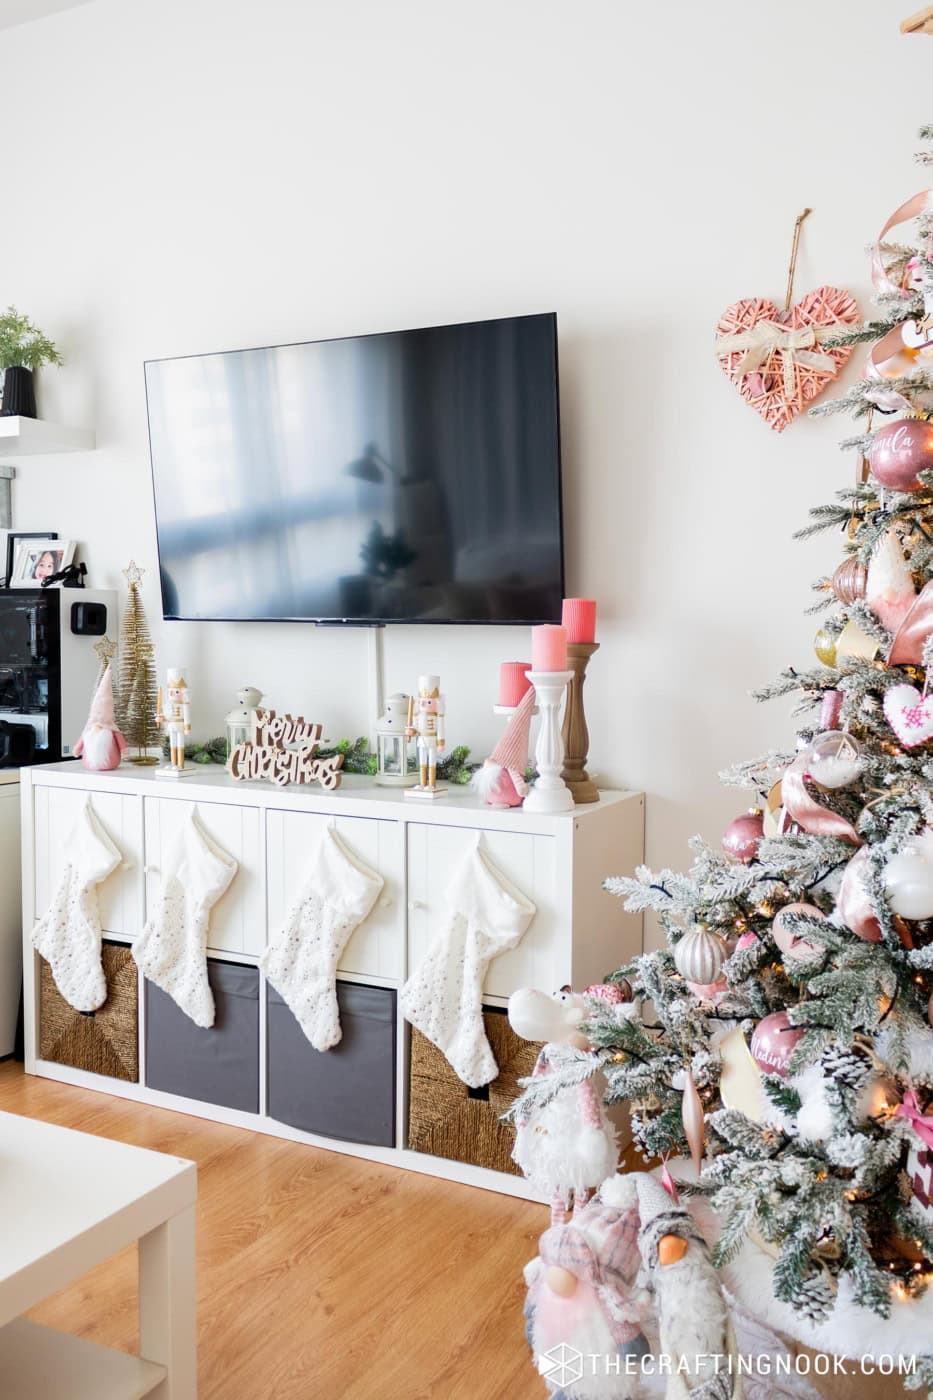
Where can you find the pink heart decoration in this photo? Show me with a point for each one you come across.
(764, 388)
(909, 714)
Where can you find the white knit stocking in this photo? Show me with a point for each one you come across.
(486, 916)
(337, 893)
(68, 934)
(171, 950)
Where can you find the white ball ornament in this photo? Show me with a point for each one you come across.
(908, 879)
(699, 955)
(834, 759)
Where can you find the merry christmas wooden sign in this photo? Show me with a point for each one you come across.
(283, 750)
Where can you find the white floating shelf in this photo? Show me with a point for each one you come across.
(37, 1363)
(20, 437)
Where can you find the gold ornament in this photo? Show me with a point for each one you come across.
(136, 693)
(850, 579)
(825, 647)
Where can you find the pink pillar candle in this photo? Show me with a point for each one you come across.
(549, 648)
(579, 618)
(513, 682)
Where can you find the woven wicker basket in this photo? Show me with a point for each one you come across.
(447, 1119)
(105, 1041)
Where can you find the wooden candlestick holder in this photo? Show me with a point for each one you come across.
(576, 736)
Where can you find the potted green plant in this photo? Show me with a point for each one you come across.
(23, 348)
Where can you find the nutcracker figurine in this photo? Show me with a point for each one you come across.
(174, 713)
(426, 722)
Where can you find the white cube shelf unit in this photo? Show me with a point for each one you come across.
(578, 935)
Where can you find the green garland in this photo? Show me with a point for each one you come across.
(454, 767)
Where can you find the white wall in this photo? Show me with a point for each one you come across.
(195, 175)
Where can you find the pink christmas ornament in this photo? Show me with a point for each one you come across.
(853, 902)
(709, 991)
(899, 451)
(609, 992)
(889, 589)
(741, 837)
(777, 362)
(746, 941)
(790, 943)
(830, 709)
(101, 744)
(773, 1041)
(909, 714)
(802, 808)
(691, 1109)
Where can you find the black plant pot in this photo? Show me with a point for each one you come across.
(19, 393)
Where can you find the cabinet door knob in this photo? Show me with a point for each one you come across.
(151, 869)
(415, 904)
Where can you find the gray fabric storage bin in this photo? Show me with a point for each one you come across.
(347, 1092)
(220, 1065)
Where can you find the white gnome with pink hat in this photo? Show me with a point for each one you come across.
(101, 744)
(501, 780)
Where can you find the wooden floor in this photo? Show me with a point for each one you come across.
(319, 1275)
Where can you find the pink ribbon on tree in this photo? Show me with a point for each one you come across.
(910, 209)
(806, 812)
(922, 1125)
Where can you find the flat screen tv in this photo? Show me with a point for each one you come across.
(405, 477)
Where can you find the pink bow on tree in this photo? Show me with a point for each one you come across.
(910, 1109)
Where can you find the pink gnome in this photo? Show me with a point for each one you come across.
(587, 1298)
(566, 1147)
(501, 780)
(101, 744)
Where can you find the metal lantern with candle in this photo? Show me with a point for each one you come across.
(392, 744)
(239, 722)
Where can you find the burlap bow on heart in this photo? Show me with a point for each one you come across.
(793, 345)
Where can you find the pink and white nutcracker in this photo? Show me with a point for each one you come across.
(426, 723)
(173, 713)
(101, 744)
(567, 1146)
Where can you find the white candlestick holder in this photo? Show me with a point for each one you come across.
(549, 792)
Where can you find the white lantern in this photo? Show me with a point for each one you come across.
(239, 721)
(392, 745)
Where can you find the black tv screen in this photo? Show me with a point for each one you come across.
(405, 477)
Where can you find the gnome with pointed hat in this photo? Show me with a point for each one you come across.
(101, 744)
(501, 780)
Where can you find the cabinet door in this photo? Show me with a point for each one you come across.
(376, 948)
(119, 897)
(237, 920)
(434, 855)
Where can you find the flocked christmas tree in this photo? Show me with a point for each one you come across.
(784, 1032)
(136, 695)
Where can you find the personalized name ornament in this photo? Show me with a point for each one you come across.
(283, 750)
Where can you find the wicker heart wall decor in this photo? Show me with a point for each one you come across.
(779, 359)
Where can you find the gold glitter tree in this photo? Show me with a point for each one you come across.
(136, 692)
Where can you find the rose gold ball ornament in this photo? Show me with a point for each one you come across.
(773, 1041)
(711, 991)
(930, 1009)
(850, 579)
(791, 944)
(899, 451)
(699, 955)
(834, 759)
(824, 644)
(741, 837)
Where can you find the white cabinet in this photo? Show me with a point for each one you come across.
(119, 897)
(237, 921)
(377, 948)
(542, 958)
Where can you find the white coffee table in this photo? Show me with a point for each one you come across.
(68, 1201)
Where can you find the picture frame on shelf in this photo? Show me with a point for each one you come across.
(37, 558)
(13, 539)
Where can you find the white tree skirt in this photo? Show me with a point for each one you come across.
(852, 1331)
